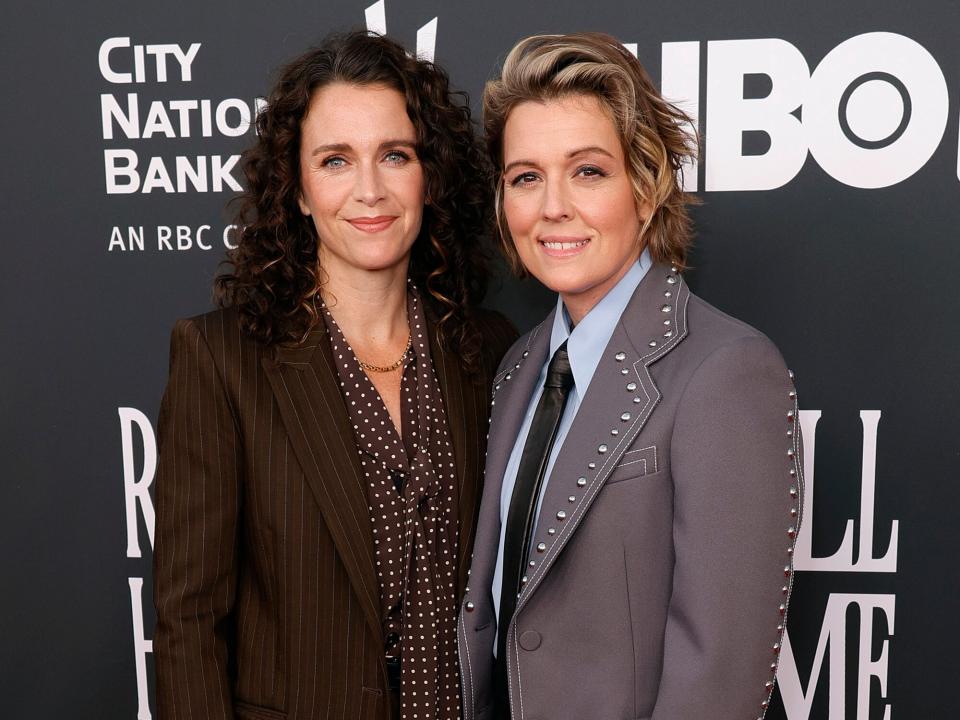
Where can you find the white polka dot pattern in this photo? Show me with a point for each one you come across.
(412, 496)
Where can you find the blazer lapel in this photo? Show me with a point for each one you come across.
(305, 384)
(611, 415)
(464, 398)
(512, 389)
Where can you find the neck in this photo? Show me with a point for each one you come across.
(369, 307)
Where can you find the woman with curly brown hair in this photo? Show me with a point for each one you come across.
(321, 439)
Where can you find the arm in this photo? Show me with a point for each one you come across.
(197, 500)
(732, 513)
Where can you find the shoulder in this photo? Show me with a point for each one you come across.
(497, 334)
(711, 330)
(722, 351)
(217, 333)
(515, 353)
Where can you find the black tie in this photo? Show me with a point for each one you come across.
(523, 505)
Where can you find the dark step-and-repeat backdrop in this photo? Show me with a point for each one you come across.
(829, 182)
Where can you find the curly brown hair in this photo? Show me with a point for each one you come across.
(656, 136)
(275, 274)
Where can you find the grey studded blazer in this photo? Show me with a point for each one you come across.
(668, 521)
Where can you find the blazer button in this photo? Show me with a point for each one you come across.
(530, 640)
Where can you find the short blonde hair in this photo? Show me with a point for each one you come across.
(655, 135)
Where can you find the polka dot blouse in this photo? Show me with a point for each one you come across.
(412, 497)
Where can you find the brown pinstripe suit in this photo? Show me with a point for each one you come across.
(266, 594)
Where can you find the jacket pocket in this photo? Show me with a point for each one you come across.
(634, 464)
(246, 711)
(370, 700)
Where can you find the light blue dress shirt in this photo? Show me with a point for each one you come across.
(585, 344)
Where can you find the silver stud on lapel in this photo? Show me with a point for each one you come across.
(668, 334)
(624, 371)
(666, 308)
(620, 356)
(541, 547)
(551, 531)
(532, 563)
(652, 343)
(591, 465)
(671, 279)
(668, 294)
(508, 376)
(614, 432)
(790, 373)
(790, 453)
(667, 322)
(561, 515)
(470, 606)
(792, 394)
(631, 387)
(525, 353)
(571, 498)
(625, 416)
(602, 449)
(581, 481)
(636, 401)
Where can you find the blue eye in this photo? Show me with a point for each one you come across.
(334, 163)
(396, 157)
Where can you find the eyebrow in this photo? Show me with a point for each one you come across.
(571, 154)
(345, 147)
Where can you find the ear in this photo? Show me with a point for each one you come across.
(304, 208)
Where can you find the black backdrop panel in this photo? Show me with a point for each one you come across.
(852, 275)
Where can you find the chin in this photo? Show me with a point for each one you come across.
(567, 282)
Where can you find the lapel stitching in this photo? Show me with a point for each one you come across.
(570, 524)
(502, 375)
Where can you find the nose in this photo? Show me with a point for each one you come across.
(369, 186)
(556, 203)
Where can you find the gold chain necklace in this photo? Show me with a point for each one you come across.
(388, 368)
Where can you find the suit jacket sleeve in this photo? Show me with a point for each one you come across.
(732, 512)
(196, 497)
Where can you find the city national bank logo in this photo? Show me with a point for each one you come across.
(130, 118)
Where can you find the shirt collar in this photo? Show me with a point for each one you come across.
(587, 341)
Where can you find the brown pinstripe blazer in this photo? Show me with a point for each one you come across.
(264, 581)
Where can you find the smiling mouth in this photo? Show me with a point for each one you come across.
(556, 245)
(373, 224)
(563, 248)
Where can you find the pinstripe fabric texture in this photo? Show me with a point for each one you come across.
(265, 588)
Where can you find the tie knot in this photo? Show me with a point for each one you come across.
(559, 373)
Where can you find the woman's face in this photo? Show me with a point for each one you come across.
(361, 181)
(568, 199)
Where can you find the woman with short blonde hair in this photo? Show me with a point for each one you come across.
(633, 550)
